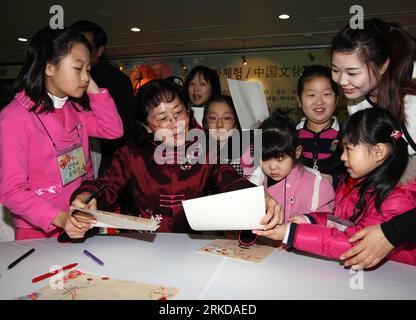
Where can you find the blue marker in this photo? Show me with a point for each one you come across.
(89, 254)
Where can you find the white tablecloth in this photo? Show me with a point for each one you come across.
(171, 260)
(6, 225)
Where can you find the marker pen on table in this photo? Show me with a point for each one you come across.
(93, 257)
(20, 258)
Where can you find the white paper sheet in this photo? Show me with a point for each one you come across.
(198, 114)
(249, 101)
(236, 210)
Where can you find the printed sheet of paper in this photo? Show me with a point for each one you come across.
(198, 114)
(250, 102)
(231, 249)
(235, 210)
(77, 285)
(120, 221)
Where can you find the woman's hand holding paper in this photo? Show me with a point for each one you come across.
(274, 213)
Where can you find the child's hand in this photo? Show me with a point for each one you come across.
(277, 233)
(74, 228)
(79, 201)
(274, 213)
(80, 222)
(92, 87)
(298, 219)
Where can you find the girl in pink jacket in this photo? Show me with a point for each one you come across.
(380, 184)
(297, 188)
(44, 133)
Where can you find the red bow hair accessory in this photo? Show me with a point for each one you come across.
(396, 135)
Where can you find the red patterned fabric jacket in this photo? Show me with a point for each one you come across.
(158, 189)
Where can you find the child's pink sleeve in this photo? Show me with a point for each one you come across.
(103, 121)
(331, 242)
(320, 240)
(318, 217)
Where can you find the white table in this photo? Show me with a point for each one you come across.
(171, 260)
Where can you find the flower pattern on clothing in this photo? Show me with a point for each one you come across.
(54, 189)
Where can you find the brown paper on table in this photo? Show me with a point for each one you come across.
(77, 285)
(231, 249)
(107, 219)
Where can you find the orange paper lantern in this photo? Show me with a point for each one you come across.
(141, 75)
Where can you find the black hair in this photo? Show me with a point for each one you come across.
(209, 75)
(374, 44)
(370, 127)
(229, 102)
(98, 34)
(316, 71)
(46, 46)
(279, 136)
(149, 96)
(178, 82)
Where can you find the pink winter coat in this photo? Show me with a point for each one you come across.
(30, 181)
(305, 190)
(330, 242)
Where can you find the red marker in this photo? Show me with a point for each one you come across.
(50, 274)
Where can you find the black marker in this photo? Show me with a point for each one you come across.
(94, 195)
(20, 259)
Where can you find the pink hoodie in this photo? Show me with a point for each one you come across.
(30, 180)
(303, 190)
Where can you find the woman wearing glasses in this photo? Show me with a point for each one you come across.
(221, 122)
(162, 165)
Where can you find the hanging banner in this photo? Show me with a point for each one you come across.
(278, 71)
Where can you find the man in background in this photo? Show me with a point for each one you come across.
(120, 88)
(117, 83)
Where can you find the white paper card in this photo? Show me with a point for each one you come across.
(198, 114)
(235, 210)
(250, 102)
(120, 221)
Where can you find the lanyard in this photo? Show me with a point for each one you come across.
(47, 132)
(315, 153)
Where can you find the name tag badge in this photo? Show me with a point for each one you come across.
(337, 222)
(72, 164)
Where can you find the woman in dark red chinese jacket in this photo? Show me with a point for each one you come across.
(161, 168)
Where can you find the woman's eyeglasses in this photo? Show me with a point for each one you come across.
(165, 120)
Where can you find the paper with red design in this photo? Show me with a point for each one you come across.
(77, 285)
(231, 249)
